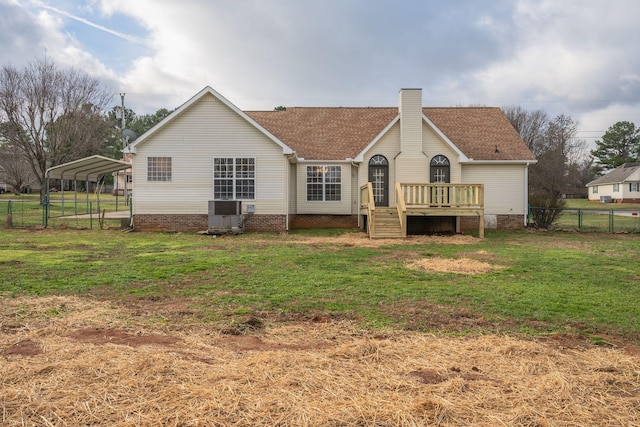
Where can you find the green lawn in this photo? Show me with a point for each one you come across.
(541, 282)
(28, 212)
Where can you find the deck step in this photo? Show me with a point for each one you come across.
(387, 224)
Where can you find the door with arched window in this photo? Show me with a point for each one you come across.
(440, 169)
(379, 179)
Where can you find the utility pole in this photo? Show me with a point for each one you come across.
(124, 158)
(124, 123)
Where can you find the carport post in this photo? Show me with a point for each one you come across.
(115, 177)
(62, 195)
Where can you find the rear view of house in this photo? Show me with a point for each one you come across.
(389, 170)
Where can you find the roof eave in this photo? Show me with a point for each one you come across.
(501, 162)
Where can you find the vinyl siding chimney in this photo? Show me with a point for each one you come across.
(411, 163)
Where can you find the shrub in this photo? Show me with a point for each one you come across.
(545, 209)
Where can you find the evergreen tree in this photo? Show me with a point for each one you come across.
(620, 144)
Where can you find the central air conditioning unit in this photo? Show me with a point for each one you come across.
(605, 199)
(225, 216)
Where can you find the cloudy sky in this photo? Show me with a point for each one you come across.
(575, 57)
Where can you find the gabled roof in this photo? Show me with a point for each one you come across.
(340, 133)
(618, 175)
(180, 110)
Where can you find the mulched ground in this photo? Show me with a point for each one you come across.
(69, 361)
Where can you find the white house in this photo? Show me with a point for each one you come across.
(621, 185)
(426, 169)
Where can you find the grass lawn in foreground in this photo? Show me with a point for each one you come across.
(519, 281)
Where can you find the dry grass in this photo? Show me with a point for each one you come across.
(70, 361)
(458, 265)
(361, 240)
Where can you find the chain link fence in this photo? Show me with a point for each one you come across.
(590, 220)
(58, 213)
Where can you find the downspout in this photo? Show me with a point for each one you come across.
(526, 193)
(357, 166)
(288, 182)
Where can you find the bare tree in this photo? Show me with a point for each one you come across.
(14, 167)
(52, 115)
(531, 125)
(564, 165)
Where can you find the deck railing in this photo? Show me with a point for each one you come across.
(367, 202)
(402, 209)
(443, 195)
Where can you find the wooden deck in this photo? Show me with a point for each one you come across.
(421, 200)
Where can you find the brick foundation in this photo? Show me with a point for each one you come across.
(503, 222)
(276, 223)
(323, 221)
(200, 222)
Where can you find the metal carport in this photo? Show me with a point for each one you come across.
(88, 169)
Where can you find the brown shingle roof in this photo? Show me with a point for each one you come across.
(481, 133)
(326, 133)
(339, 133)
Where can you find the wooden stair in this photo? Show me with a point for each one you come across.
(387, 224)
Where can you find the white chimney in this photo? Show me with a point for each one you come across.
(411, 165)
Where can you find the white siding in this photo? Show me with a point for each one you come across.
(206, 130)
(503, 187)
(604, 190)
(293, 188)
(355, 191)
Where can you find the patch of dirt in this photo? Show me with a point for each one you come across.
(25, 347)
(425, 316)
(101, 336)
(427, 376)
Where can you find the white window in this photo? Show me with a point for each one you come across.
(616, 188)
(634, 186)
(158, 168)
(234, 178)
(595, 189)
(324, 183)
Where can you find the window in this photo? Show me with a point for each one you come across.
(634, 186)
(440, 169)
(158, 168)
(616, 188)
(234, 178)
(595, 189)
(324, 183)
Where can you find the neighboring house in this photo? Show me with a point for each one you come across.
(424, 169)
(122, 180)
(621, 185)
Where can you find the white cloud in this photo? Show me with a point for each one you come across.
(578, 57)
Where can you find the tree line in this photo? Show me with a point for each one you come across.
(564, 164)
(50, 116)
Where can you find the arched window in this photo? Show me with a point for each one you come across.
(440, 169)
(379, 179)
